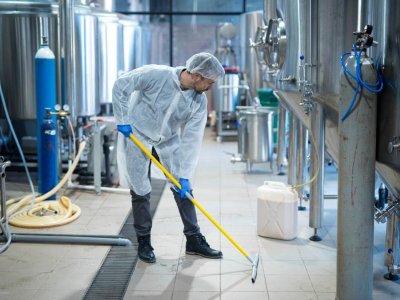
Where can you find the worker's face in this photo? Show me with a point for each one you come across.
(202, 84)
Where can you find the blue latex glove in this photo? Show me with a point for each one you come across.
(126, 130)
(185, 187)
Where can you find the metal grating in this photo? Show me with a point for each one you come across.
(113, 277)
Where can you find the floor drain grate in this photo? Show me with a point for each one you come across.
(113, 277)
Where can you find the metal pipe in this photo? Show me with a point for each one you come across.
(281, 155)
(71, 239)
(7, 236)
(3, 166)
(301, 159)
(385, 31)
(293, 128)
(360, 15)
(102, 188)
(392, 246)
(317, 165)
(270, 7)
(67, 40)
(96, 156)
(313, 42)
(357, 146)
(4, 231)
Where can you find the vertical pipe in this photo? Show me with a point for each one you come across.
(317, 165)
(270, 7)
(359, 14)
(96, 156)
(3, 165)
(293, 129)
(300, 158)
(171, 35)
(281, 155)
(67, 27)
(362, 14)
(357, 143)
(313, 41)
(385, 31)
(392, 245)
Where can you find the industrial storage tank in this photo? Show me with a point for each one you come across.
(21, 26)
(309, 33)
(110, 51)
(249, 24)
(384, 16)
(129, 33)
(87, 85)
(288, 40)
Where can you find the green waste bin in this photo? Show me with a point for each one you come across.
(268, 99)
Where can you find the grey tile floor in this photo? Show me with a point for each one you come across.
(297, 269)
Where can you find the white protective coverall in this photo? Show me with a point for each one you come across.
(163, 116)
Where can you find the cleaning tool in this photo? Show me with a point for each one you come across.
(254, 261)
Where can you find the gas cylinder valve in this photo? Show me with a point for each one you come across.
(364, 38)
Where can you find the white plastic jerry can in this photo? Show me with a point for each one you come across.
(277, 211)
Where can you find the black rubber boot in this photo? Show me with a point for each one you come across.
(197, 245)
(145, 250)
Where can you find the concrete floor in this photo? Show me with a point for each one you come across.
(297, 269)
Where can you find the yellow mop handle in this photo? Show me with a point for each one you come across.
(197, 204)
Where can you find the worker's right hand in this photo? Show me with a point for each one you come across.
(126, 130)
(185, 187)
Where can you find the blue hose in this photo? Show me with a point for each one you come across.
(372, 87)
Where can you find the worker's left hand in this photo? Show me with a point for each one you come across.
(185, 187)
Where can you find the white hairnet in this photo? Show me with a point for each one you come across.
(205, 64)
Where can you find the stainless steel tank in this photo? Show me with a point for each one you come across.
(320, 31)
(143, 49)
(290, 12)
(249, 65)
(111, 53)
(344, 15)
(384, 17)
(87, 84)
(282, 46)
(336, 22)
(227, 93)
(129, 32)
(21, 26)
(256, 134)
(324, 30)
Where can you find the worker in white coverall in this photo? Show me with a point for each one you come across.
(166, 109)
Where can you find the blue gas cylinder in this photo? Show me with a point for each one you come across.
(49, 155)
(45, 84)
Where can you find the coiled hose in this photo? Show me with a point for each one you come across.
(28, 211)
(49, 213)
